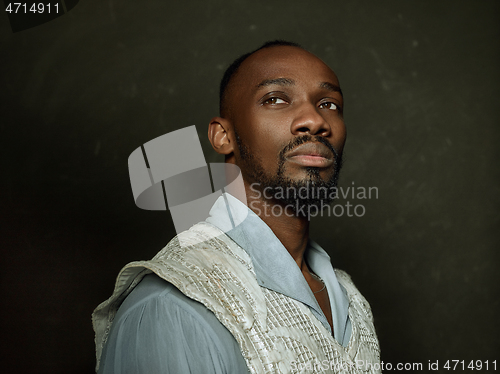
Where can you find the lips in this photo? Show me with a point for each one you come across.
(311, 155)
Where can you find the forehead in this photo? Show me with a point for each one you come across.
(283, 62)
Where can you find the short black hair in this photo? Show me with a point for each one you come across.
(233, 68)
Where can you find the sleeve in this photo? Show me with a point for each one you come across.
(166, 334)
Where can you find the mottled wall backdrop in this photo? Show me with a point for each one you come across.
(81, 92)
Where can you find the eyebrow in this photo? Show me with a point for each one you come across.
(331, 87)
(290, 82)
(277, 81)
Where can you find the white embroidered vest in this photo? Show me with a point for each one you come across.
(276, 333)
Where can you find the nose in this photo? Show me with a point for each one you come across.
(310, 121)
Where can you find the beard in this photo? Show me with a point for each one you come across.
(296, 195)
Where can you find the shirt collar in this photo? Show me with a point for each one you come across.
(274, 267)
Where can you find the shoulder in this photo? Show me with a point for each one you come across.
(161, 301)
(158, 328)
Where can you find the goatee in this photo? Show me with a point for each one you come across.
(295, 195)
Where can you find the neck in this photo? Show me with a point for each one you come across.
(290, 229)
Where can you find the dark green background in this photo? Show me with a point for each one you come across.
(80, 93)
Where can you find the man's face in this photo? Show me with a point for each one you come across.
(286, 109)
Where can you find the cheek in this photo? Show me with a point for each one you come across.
(275, 138)
(339, 132)
(268, 133)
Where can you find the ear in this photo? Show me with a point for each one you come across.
(218, 134)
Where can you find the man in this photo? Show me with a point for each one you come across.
(258, 296)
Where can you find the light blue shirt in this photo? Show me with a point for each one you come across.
(157, 329)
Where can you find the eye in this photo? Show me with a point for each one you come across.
(329, 105)
(274, 101)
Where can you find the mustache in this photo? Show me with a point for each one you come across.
(306, 139)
